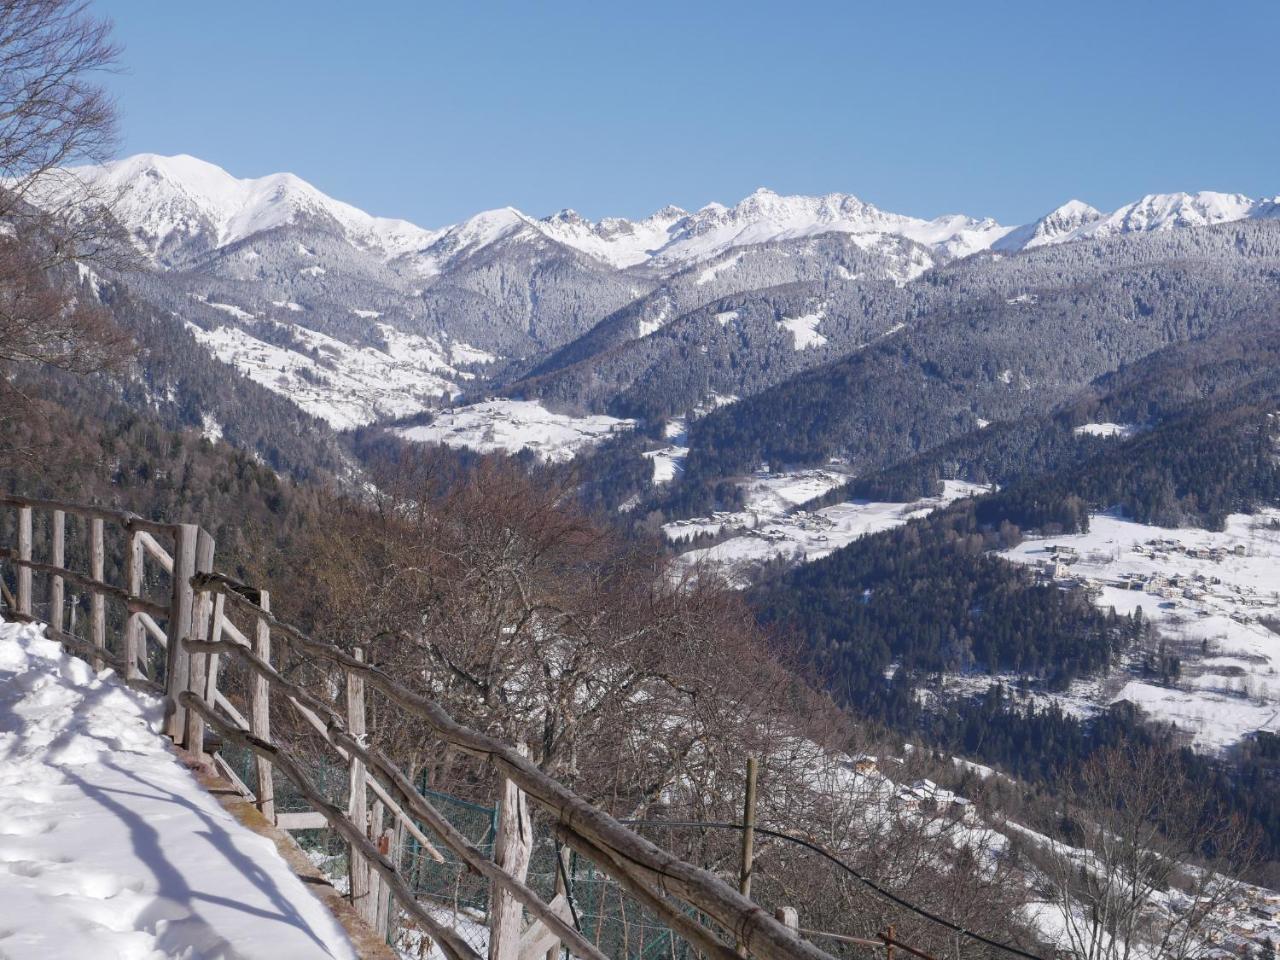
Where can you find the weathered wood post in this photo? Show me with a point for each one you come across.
(177, 660)
(512, 849)
(376, 903)
(211, 660)
(24, 555)
(748, 829)
(748, 838)
(260, 713)
(57, 557)
(198, 666)
(97, 602)
(133, 640)
(789, 917)
(357, 808)
(562, 893)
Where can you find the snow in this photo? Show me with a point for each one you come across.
(1156, 212)
(765, 216)
(1230, 679)
(726, 317)
(210, 428)
(804, 330)
(668, 462)
(163, 198)
(164, 201)
(509, 426)
(290, 306)
(771, 528)
(713, 271)
(1121, 430)
(367, 314)
(649, 325)
(346, 386)
(109, 848)
(461, 354)
(231, 309)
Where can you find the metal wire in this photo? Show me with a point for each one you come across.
(867, 881)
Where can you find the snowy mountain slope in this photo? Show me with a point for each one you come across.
(344, 385)
(820, 261)
(765, 216)
(109, 847)
(563, 293)
(1053, 227)
(175, 205)
(1154, 213)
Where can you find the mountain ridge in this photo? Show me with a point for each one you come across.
(165, 201)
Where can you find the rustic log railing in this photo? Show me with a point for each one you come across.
(195, 631)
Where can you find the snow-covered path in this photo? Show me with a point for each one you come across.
(108, 846)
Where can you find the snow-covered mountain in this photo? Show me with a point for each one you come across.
(1053, 227)
(1154, 213)
(176, 206)
(262, 265)
(179, 205)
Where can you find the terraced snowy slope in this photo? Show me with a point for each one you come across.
(108, 846)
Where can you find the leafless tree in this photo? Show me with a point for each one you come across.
(1143, 869)
(53, 112)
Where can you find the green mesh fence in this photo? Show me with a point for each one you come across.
(605, 913)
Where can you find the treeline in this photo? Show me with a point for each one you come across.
(927, 598)
(976, 354)
(1207, 460)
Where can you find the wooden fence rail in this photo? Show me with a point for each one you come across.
(198, 633)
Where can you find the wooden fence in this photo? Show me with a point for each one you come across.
(196, 629)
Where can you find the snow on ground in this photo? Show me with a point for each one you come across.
(668, 462)
(341, 383)
(1121, 430)
(713, 271)
(108, 846)
(1211, 596)
(770, 528)
(510, 426)
(804, 330)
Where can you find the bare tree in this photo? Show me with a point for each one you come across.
(1144, 868)
(52, 112)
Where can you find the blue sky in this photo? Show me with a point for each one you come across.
(433, 111)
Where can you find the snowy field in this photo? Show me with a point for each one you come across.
(110, 849)
(668, 462)
(347, 386)
(771, 528)
(1214, 598)
(509, 426)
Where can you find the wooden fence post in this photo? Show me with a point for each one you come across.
(357, 809)
(97, 602)
(511, 851)
(177, 660)
(24, 553)
(260, 713)
(57, 557)
(198, 666)
(377, 901)
(133, 645)
(748, 838)
(789, 917)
